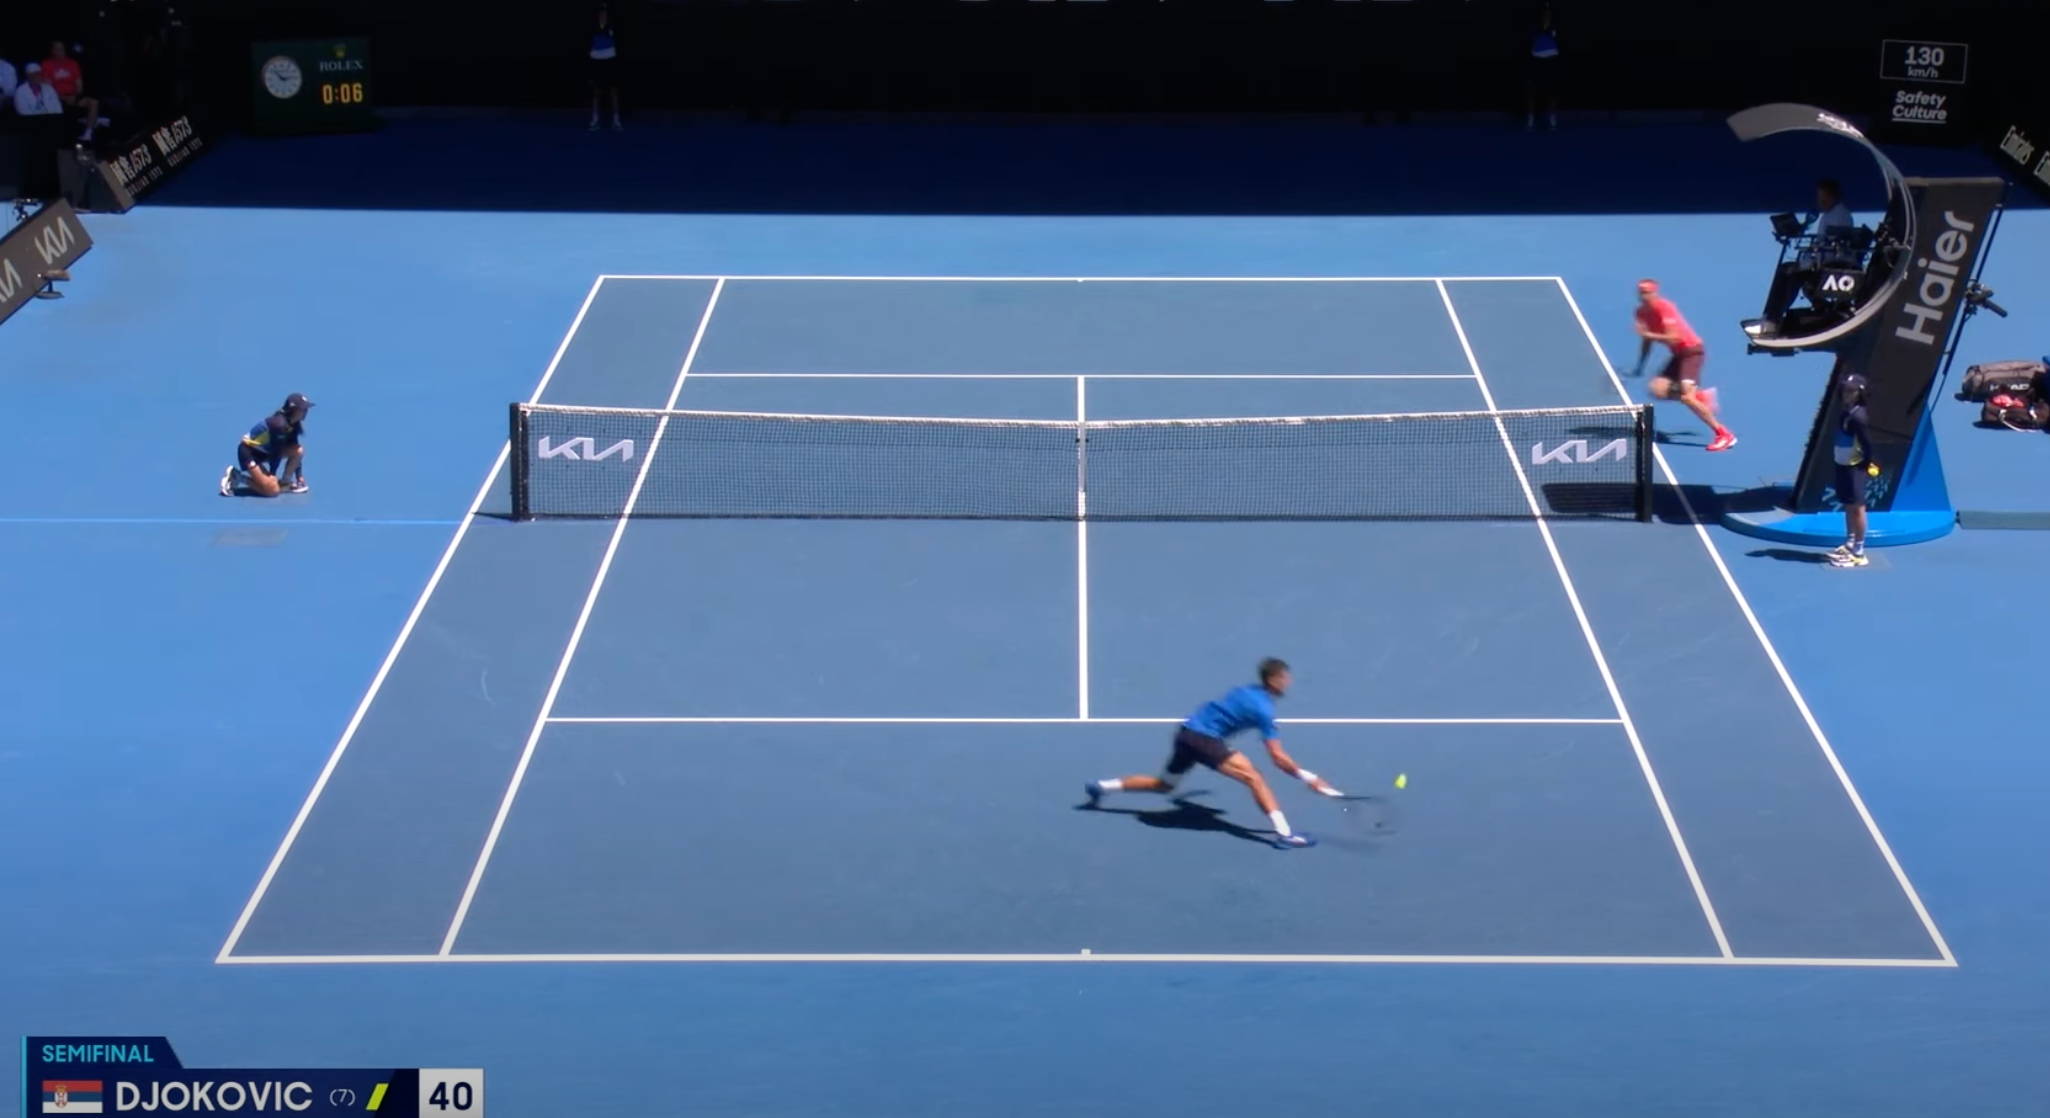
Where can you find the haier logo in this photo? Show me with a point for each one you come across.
(1939, 280)
(585, 449)
(1575, 450)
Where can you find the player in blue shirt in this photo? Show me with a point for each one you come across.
(269, 458)
(1201, 741)
(1854, 466)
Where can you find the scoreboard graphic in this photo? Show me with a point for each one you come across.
(126, 1075)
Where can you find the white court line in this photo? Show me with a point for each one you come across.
(1104, 279)
(576, 634)
(1594, 646)
(1078, 957)
(405, 632)
(771, 720)
(1084, 376)
(1771, 654)
(1082, 545)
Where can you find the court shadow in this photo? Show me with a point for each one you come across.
(1183, 815)
(1686, 504)
(1789, 555)
(1667, 438)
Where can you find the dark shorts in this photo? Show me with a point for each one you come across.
(1686, 367)
(605, 72)
(1850, 484)
(248, 457)
(1192, 749)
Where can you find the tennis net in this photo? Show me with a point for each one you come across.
(607, 463)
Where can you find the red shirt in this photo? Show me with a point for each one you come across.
(63, 75)
(1660, 316)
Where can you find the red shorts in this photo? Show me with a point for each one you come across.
(1685, 366)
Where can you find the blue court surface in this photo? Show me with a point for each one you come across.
(785, 817)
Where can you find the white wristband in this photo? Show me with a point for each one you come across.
(1306, 776)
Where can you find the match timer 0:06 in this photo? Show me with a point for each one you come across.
(323, 85)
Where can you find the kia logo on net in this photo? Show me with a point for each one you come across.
(584, 449)
(1575, 451)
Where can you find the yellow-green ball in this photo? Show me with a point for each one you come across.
(1402, 781)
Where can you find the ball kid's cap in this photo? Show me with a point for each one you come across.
(298, 402)
(1647, 287)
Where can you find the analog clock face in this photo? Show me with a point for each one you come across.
(281, 77)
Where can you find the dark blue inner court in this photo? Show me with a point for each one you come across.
(815, 739)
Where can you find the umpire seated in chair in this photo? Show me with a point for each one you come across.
(1823, 260)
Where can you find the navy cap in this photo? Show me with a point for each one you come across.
(1852, 386)
(297, 402)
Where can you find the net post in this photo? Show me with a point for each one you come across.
(516, 440)
(1645, 442)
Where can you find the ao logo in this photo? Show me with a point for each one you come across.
(1840, 283)
(1575, 450)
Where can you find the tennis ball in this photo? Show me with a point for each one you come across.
(1402, 781)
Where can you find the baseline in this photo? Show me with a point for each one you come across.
(1099, 279)
(1084, 376)
(1088, 957)
(773, 720)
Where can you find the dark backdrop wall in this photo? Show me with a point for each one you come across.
(1125, 55)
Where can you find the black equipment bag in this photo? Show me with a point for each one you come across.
(2014, 378)
(2017, 412)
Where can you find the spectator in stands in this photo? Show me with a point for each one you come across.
(604, 67)
(65, 76)
(36, 97)
(1543, 81)
(9, 82)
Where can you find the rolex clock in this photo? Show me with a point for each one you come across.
(323, 85)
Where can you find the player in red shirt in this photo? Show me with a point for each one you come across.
(1658, 320)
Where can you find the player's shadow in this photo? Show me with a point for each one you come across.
(1668, 438)
(1789, 555)
(1182, 815)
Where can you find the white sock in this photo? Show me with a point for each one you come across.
(1280, 823)
(1111, 785)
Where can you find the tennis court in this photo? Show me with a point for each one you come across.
(700, 739)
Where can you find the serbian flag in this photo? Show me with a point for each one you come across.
(71, 1096)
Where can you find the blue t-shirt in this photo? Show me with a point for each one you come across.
(1244, 708)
